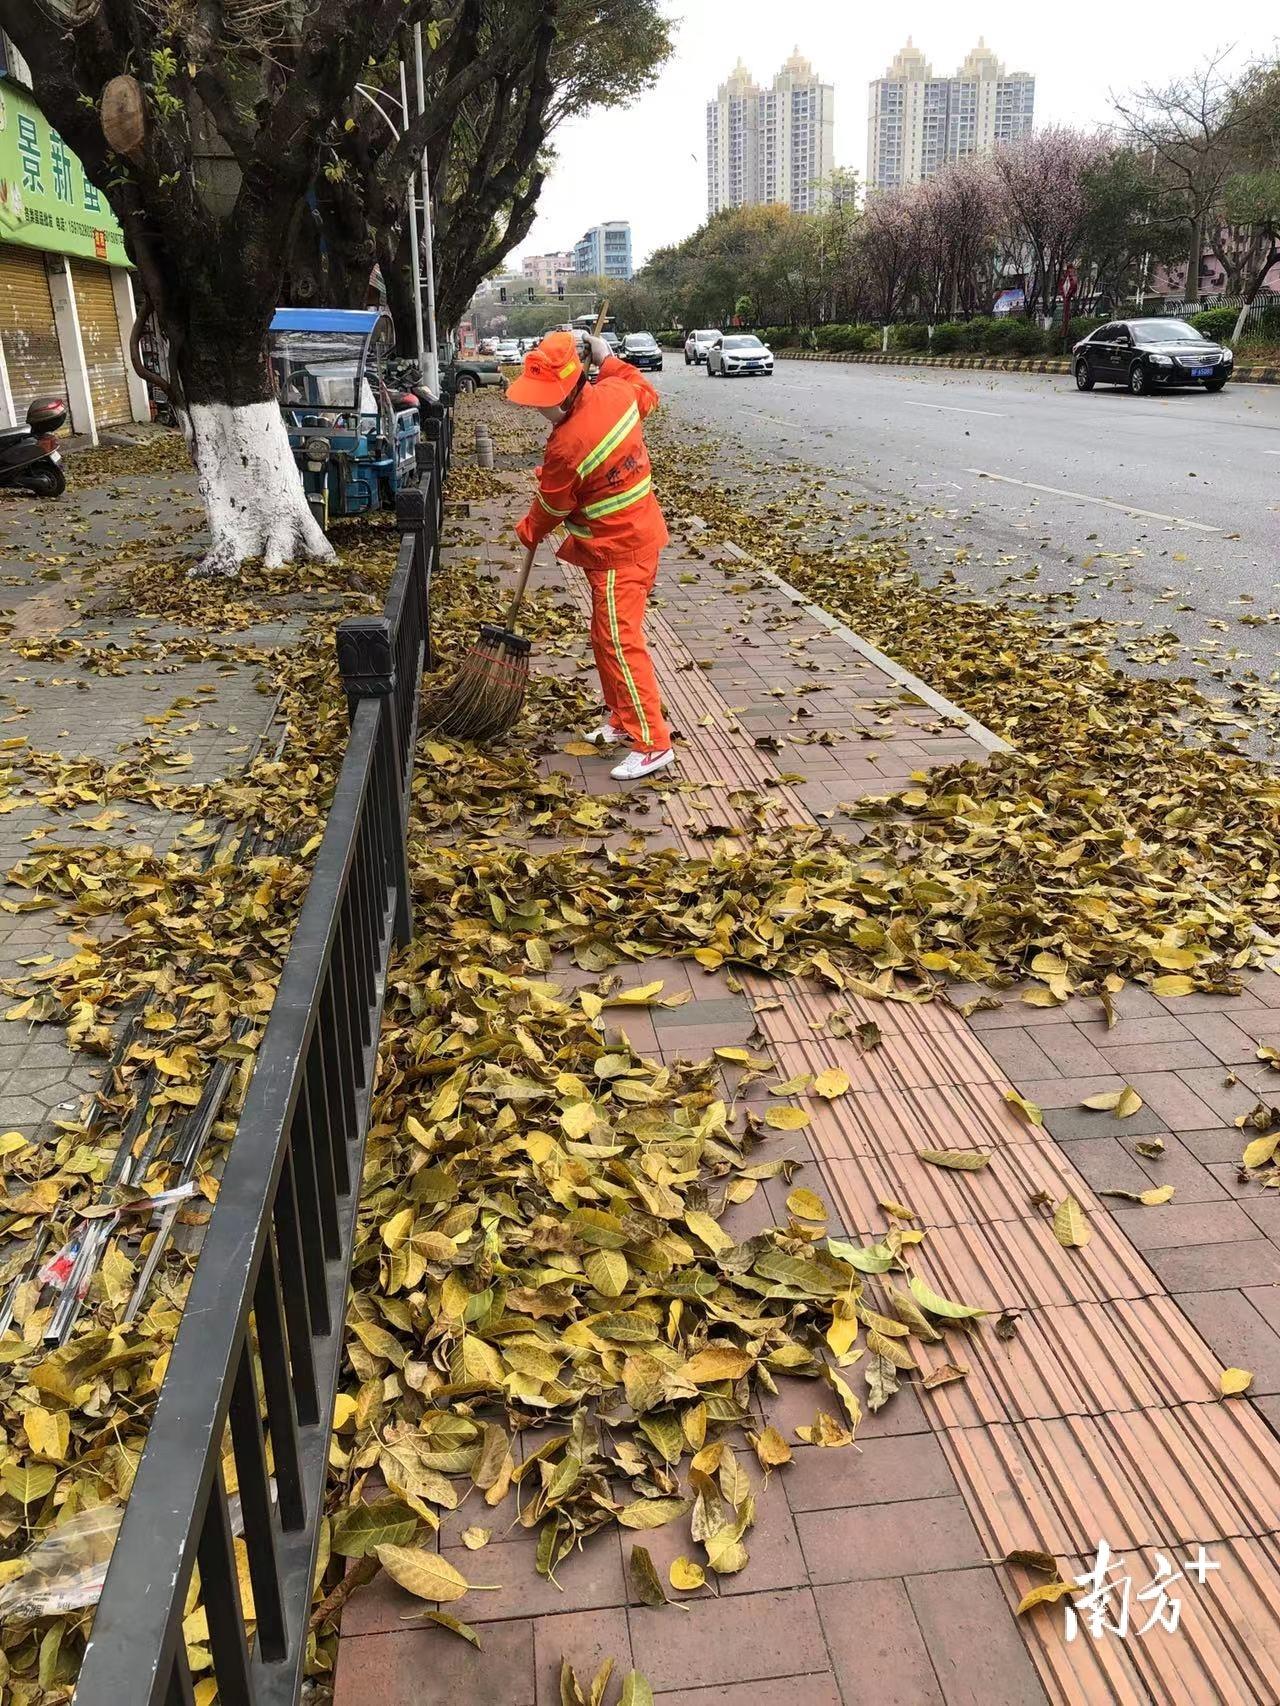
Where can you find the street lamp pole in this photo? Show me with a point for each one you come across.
(414, 269)
(428, 252)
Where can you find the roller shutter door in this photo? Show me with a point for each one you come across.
(100, 334)
(27, 328)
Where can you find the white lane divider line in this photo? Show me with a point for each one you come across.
(1088, 498)
(952, 409)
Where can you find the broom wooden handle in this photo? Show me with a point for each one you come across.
(522, 581)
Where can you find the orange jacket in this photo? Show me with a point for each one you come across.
(595, 480)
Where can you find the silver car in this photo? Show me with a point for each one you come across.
(739, 352)
(697, 344)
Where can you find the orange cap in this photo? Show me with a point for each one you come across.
(551, 371)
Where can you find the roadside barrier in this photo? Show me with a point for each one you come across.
(985, 363)
(259, 1347)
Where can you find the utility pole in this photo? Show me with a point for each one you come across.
(414, 267)
(432, 374)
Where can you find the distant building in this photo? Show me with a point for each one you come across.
(770, 145)
(546, 272)
(918, 123)
(604, 251)
(491, 289)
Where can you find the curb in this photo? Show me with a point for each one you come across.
(987, 364)
(984, 736)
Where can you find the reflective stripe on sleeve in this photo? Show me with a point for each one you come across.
(558, 513)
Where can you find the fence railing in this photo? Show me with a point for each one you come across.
(259, 1347)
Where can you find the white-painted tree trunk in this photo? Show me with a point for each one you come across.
(251, 488)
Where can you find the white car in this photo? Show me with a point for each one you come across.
(697, 344)
(739, 352)
(508, 352)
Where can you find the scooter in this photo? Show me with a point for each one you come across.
(29, 455)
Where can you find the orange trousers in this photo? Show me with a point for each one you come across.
(618, 600)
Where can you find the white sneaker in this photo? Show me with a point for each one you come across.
(639, 764)
(608, 734)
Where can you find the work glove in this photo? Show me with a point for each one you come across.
(598, 350)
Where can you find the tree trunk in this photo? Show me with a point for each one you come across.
(1195, 254)
(217, 330)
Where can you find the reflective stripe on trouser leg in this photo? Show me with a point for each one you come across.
(626, 658)
(611, 689)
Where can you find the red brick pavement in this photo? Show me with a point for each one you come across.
(873, 1573)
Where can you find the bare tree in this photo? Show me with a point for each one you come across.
(1192, 127)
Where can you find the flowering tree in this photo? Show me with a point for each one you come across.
(890, 238)
(957, 212)
(1041, 180)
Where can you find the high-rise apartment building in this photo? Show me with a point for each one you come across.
(770, 145)
(604, 251)
(918, 123)
(545, 272)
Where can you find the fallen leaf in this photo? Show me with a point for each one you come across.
(958, 1160)
(1048, 1593)
(944, 1375)
(1070, 1226)
(426, 1574)
(685, 1575)
(1030, 1111)
(1235, 1380)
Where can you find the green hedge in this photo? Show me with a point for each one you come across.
(1215, 323)
(670, 340)
(847, 338)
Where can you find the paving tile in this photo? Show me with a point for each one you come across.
(1069, 1092)
(411, 1665)
(588, 1580)
(1074, 1054)
(1017, 1052)
(1217, 1267)
(876, 1645)
(1227, 1099)
(585, 1638)
(777, 1560)
(719, 1642)
(1187, 1055)
(1264, 1212)
(1221, 1144)
(1233, 1044)
(977, 1652)
(910, 1466)
(814, 1690)
(906, 1538)
(798, 1401)
(1174, 1101)
(1240, 1328)
(1159, 1028)
(1069, 1124)
(1173, 1225)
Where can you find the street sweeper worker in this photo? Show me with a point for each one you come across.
(595, 483)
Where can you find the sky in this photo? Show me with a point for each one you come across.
(647, 163)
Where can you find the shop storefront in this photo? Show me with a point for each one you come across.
(66, 299)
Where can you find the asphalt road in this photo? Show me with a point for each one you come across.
(1162, 513)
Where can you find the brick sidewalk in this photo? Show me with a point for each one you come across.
(873, 1573)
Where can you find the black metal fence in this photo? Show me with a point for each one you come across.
(261, 1334)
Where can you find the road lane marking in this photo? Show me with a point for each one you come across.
(1087, 498)
(951, 409)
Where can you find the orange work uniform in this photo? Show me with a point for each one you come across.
(596, 483)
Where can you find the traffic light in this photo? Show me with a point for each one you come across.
(502, 293)
(531, 293)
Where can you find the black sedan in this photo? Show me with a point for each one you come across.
(1150, 355)
(641, 349)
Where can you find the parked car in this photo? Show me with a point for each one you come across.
(1144, 355)
(738, 352)
(613, 341)
(469, 373)
(508, 352)
(641, 349)
(487, 346)
(697, 344)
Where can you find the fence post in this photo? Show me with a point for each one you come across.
(366, 662)
(414, 515)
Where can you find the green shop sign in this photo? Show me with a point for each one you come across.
(46, 202)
